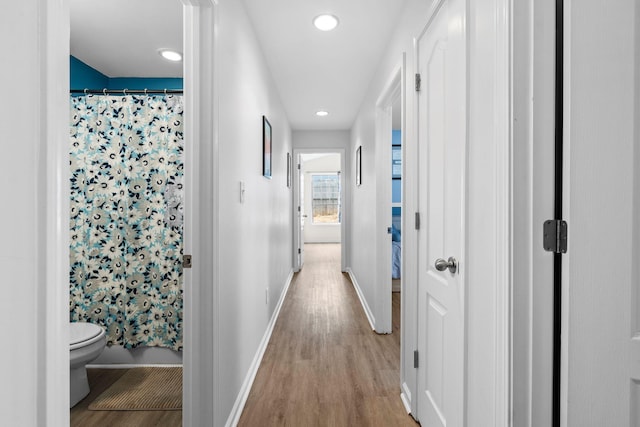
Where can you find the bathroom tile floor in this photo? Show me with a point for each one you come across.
(99, 381)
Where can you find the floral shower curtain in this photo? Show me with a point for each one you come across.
(126, 217)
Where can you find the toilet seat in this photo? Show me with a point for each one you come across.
(83, 334)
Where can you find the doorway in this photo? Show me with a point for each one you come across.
(200, 176)
(319, 206)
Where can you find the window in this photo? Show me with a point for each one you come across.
(325, 198)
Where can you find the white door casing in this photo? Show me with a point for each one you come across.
(299, 208)
(391, 93)
(53, 408)
(200, 376)
(601, 276)
(442, 106)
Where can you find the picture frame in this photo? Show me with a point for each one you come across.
(289, 170)
(267, 147)
(359, 166)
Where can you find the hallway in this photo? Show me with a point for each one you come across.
(324, 365)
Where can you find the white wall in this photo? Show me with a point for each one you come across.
(365, 198)
(117, 354)
(323, 139)
(319, 233)
(255, 236)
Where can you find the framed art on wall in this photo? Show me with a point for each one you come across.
(359, 166)
(289, 170)
(266, 147)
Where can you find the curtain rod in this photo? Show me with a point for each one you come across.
(127, 91)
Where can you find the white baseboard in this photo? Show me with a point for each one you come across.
(370, 317)
(405, 396)
(131, 366)
(241, 400)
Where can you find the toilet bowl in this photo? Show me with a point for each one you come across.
(86, 343)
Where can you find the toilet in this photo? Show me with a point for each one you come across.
(86, 343)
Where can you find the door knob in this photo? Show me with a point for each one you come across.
(451, 264)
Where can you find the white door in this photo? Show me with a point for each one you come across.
(301, 213)
(601, 269)
(442, 144)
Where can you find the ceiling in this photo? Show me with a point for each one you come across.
(312, 70)
(121, 38)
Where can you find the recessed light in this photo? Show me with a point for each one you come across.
(170, 55)
(325, 22)
(322, 113)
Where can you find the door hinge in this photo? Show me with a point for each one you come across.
(298, 208)
(186, 261)
(417, 220)
(418, 82)
(415, 359)
(555, 236)
(299, 250)
(298, 166)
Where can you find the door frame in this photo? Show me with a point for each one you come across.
(393, 90)
(532, 193)
(199, 358)
(296, 201)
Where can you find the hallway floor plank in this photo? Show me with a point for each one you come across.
(324, 366)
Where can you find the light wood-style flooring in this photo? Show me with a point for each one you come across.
(324, 366)
(99, 381)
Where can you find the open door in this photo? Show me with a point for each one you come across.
(442, 103)
(301, 215)
(601, 269)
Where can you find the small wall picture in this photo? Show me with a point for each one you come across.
(359, 166)
(289, 170)
(266, 147)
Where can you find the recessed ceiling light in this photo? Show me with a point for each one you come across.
(325, 22)
(170, 55)
(322, 113)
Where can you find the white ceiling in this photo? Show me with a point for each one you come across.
(312, 69)
(121, 38)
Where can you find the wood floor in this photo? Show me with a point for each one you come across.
(99, 381)
(324, 366)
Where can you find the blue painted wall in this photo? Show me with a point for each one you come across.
(144, 83)
(83, 76)
(396, 137)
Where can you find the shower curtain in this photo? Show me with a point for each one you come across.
(126, 217)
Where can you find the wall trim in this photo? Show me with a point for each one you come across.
(241, 400)
(392, 91)
(201, 283)
(131, 366)
(363, 301)
(405, 396)
(52, 358)
(504, 221)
